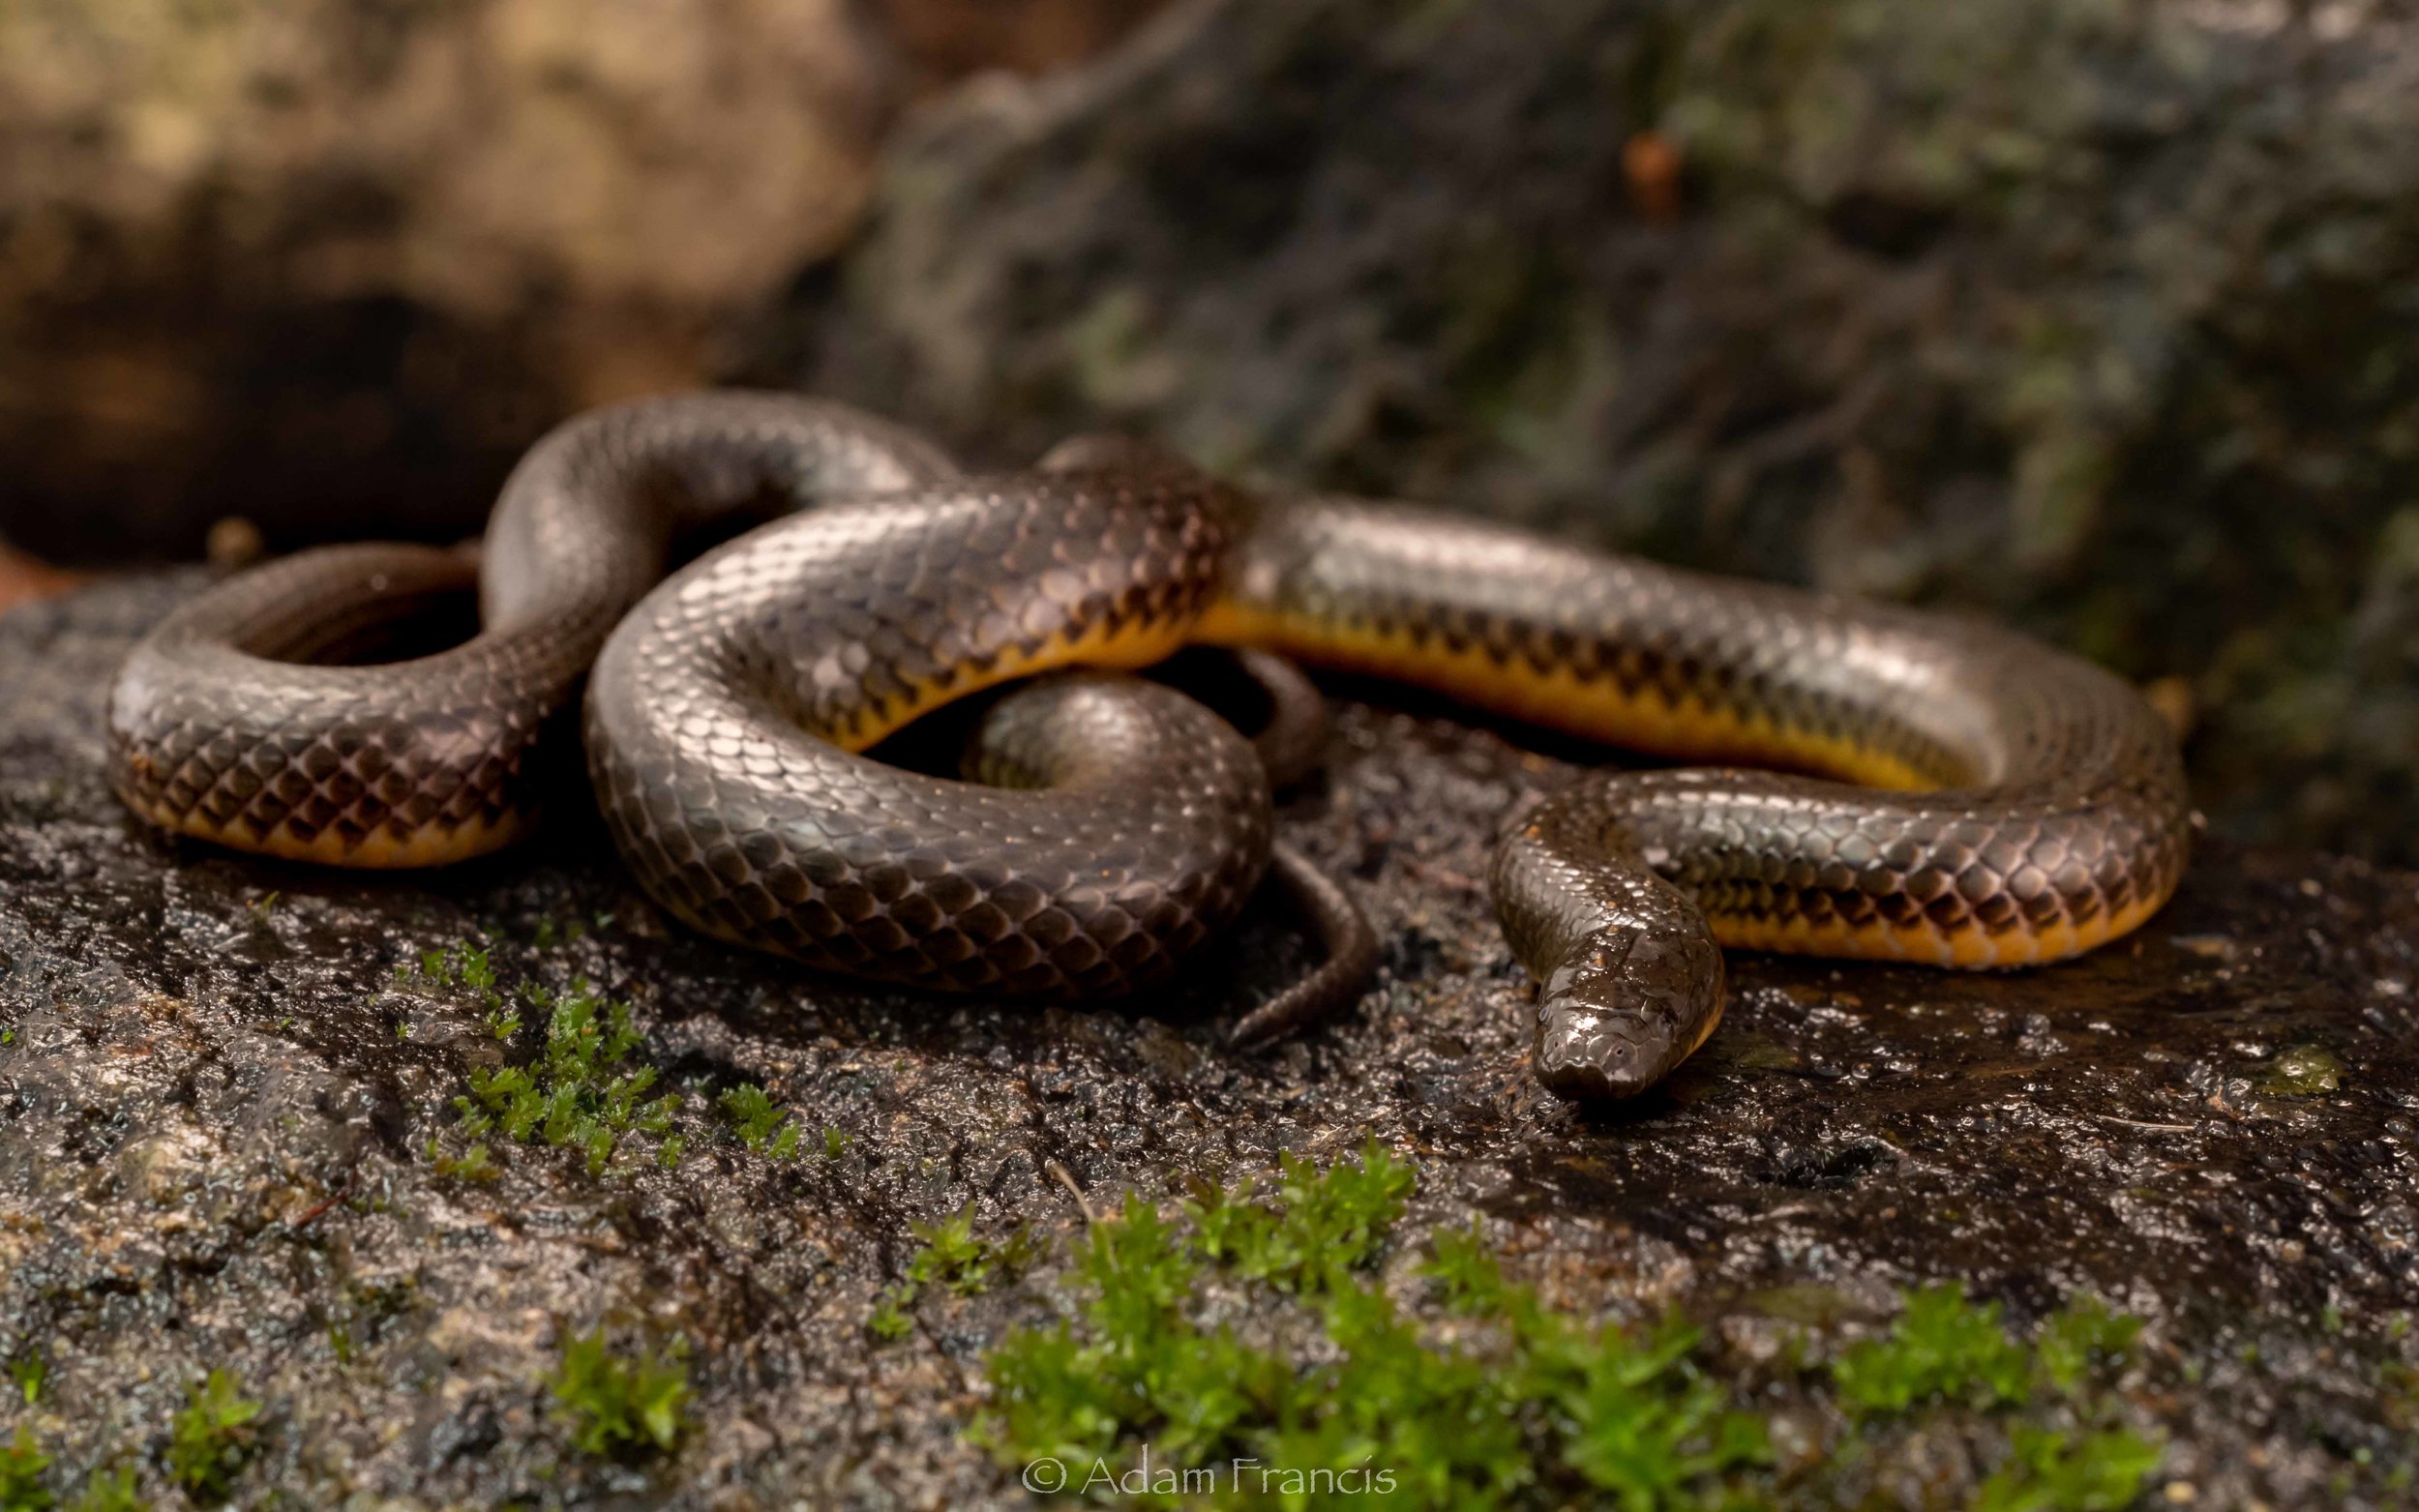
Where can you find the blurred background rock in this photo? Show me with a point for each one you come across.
(330, 264)
(2101, 316)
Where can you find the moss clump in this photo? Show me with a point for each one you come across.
(581, 1089)
(1531, 1402)
(1327, 1224)
(951, 1256)
(112, 1491)
(2077, 1339)
(619, 1404)
(476, 1163)
(2052, 1472)
(213, 1437)
(22, 1466)
(890, 1321)
(1443, 1383)
(1942, 1349)
(1945, 1351)
(761, 1127)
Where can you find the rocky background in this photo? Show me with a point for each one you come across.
(329, 265)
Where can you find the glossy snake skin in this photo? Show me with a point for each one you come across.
(1984, 801)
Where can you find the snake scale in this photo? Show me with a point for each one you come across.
(1954, 794)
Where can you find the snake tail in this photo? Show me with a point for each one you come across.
(1347, 943)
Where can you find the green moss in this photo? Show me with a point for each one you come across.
(1809, 1303)
(360, 1313)
(111, 1490)
(2051, 1471)
(620, 1405)
(21, 1489)
(1466, 1387)
(580, 1090)
(1541, 1401)
(27, 1373)
(22, 1466)
(1947, 1351)
(761, 1127)
(2078, 1336)
(1942, 1349)
(890, 1321)
(1117, 358)
(211, 1439)
(474, 1164)
(551, 933)
(2398, 1396)
(1325, 1223)
(951, 1256)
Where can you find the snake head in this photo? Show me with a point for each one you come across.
(1625, 1007)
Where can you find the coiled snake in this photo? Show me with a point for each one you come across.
(1977, 799)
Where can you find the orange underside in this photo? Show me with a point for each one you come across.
(1133, 646)
(1558, 699)
(381, 849)
(1687, 729)
(1976, 948)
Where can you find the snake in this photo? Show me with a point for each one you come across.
(1864, 780)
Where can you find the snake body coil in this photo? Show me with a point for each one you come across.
(2009, 804)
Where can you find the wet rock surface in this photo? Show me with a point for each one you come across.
(217, 1098)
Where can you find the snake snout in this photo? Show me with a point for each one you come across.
(1624, 1009)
